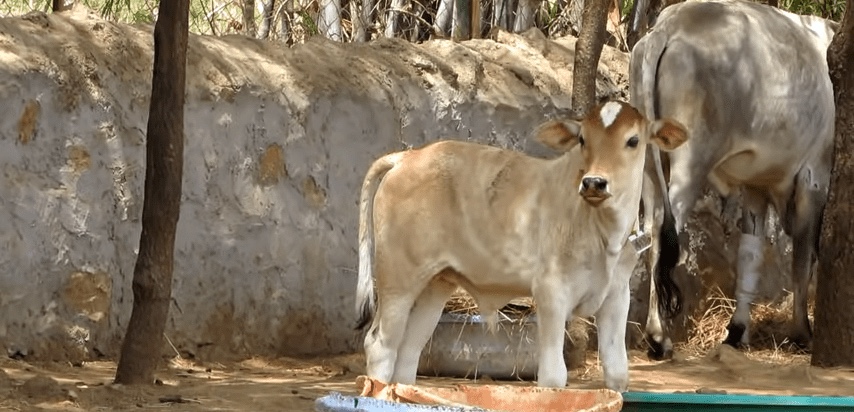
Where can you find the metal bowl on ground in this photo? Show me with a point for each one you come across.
(463, 347)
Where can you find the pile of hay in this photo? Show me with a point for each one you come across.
(768, 329)
(462, 303)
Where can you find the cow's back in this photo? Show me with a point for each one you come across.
(747, 76)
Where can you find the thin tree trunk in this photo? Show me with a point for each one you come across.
(834, 320)
(329, 21)
(444, 16)
(461, 26)
(360, 33)
(525, 15)
(152, 275)
(368, 17)
(576, 13)
(588, 48)
(266, 19)
(500, 14)
(249, 28)
(392, 27)
(57, 5)
(285, 20)
(475, 19)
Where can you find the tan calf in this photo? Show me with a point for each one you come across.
(503, 225)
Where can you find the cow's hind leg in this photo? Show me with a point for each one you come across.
(810, 198)
(383, 340)
(660, 346)
(423, 318)
(750, 253)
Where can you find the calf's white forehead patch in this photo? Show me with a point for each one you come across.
(609, 113)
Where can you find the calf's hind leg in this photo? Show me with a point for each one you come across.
(423, 318)
(384, 338)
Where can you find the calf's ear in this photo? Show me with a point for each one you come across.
(668, 134)
(559, 135)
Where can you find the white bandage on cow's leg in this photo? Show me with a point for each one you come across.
(750, 253)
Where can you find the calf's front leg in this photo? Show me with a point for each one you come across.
(552, 310)
(611, 321)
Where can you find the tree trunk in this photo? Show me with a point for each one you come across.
(285, 20)
(249, 28)
(525, 15)
(576, 11)
(475, 19)
(461, 26)
(443, 17)
(57, 5)
(587, 51)
(152, 275)
(392, 27)
(501, 14)
(368, 17)
(834, 320)
(360, 33)
(266, 19)
(329, 21)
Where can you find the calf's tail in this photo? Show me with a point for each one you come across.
(365, 296)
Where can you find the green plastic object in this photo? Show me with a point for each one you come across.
(651, 401)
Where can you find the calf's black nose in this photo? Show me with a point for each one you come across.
(594, 183)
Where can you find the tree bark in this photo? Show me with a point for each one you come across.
(588, 48)
(285, 13)
(500, 14)
(329, 21)
(249, 28)
(57, 5)
(392, 27)
(152, 275)
(360, 33)
(266, 19)
(475, 19)
(833, 344)
(461, 26)
(525, 15)
(443, 17)
(576, 11)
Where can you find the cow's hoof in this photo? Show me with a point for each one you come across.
(735, 332)
(801, 341)
(659, 351)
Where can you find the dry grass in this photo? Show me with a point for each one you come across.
(462, 303)
(768, 329)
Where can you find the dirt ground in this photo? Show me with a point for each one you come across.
(288, 384)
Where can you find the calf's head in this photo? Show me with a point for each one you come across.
(612, 140)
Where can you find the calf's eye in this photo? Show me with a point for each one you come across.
(633, 142)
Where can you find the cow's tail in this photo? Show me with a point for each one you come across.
(365, 297)
(646, 59)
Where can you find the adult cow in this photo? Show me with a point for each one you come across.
(750, 83)
(501, 225)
